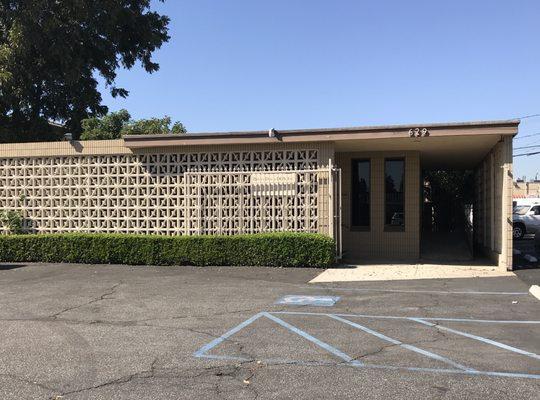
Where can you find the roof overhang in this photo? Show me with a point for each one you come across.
(436, 152)
(506, 127)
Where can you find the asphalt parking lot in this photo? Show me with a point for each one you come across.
(118, 332)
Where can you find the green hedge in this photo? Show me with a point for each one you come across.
(269, 249)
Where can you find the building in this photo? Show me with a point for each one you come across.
(524, 189)
(360, 185)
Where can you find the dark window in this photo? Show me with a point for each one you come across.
(394, 172)
(360, 209)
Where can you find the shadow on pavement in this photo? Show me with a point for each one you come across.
(525, 254)
(6, 267)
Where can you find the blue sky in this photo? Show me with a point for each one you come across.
(242, 65)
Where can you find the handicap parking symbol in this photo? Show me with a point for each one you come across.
(305, 300)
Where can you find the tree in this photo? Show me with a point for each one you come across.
(451, 191)
(107, 127)
(116, 124)
(51, 52)
(153, 126)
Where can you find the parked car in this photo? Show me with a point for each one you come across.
(526, 201)
(525, 219)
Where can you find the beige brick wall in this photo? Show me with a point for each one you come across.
(493, 208)
(378, 243)
(59, 149)
(526, 189)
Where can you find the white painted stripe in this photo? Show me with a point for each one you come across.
(488, 321)
(485, 321)
(401, 344)
(226, 335)
(341, 315)
(420, 291)
(479, 338)
(313, 339)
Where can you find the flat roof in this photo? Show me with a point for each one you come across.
(502, 127)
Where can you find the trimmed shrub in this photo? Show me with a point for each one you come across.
(265, 249)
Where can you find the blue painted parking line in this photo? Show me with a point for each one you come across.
(307, 300)
(479, 338)
(313, 339)
(219, 357)
(403, 345)
(455, 371)
(203, 350)
(351, 362)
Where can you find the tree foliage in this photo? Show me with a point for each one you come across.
(451, 191)
(152, 126)
(116, 124)
(107, 127)
(11, 221)
(52, 51)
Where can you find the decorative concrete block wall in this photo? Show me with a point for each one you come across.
(100, 186)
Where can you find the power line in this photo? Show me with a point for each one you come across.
(535, 142)
(528, 116)
(525, 117)
(526, 147)
(526, 136)
(526, 154)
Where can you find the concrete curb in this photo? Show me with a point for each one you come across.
(535, 291)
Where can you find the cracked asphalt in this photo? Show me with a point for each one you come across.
(120, 332)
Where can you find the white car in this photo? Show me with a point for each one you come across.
(525, 219)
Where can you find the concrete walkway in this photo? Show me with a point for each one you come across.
(445, 247)
(389, 272)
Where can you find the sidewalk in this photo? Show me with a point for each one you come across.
(389, 272)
